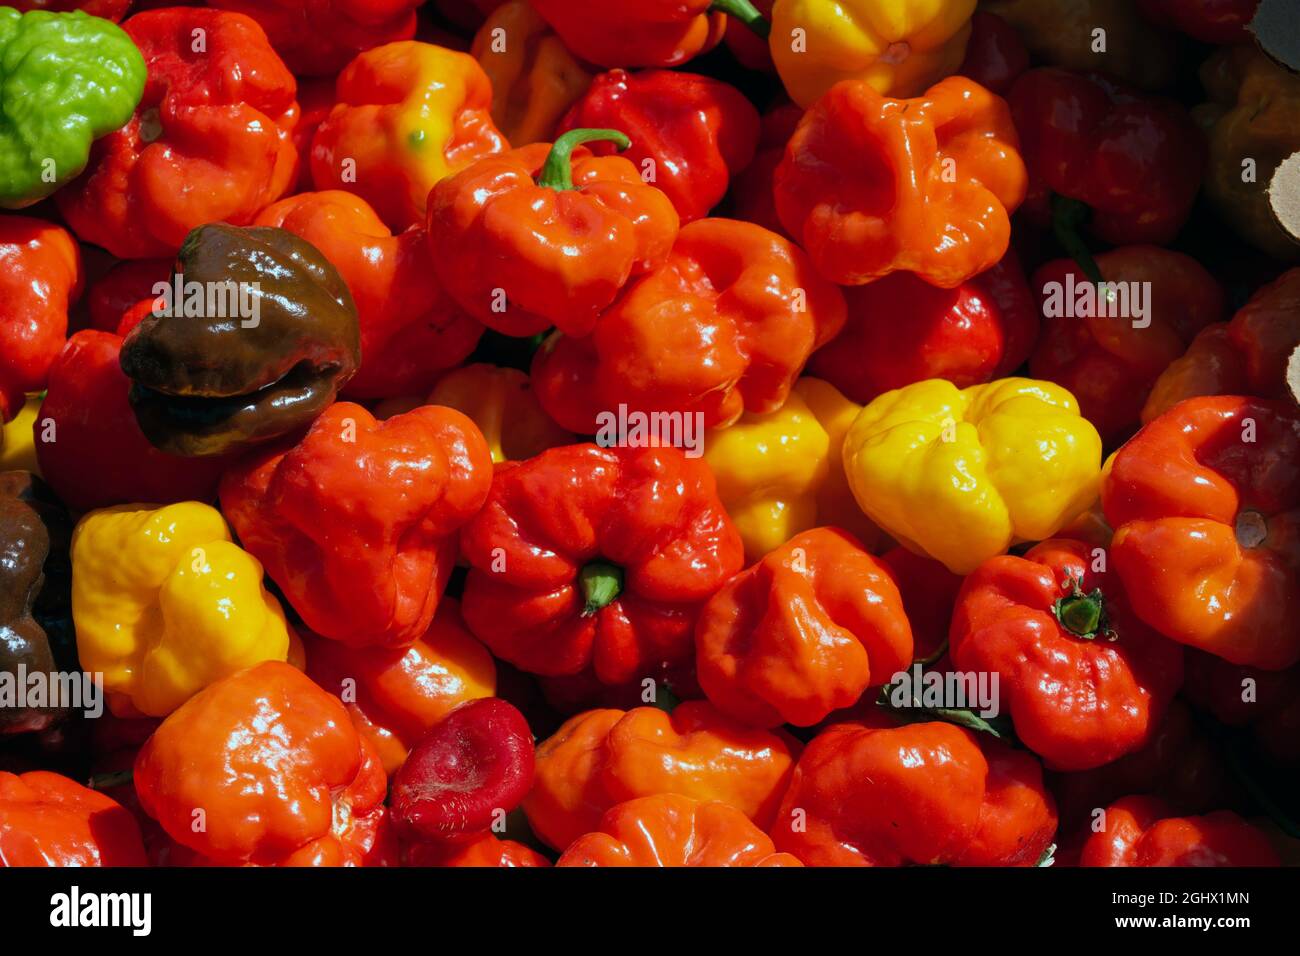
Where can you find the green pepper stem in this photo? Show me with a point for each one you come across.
(114, 778)
(1083, 615)
(1068, 215)
(745, 12)
(557, 171)
(601, 583)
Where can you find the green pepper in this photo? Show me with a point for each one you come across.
(65, 80)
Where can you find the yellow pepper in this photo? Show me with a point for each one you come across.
(164, 603)
(781, 473)
(535, 78)
(962, 474)
(900, 47)
(17, 443)
(501, 402)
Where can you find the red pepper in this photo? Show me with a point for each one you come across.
(1268, 702)
(750, 197)
(485, 850)
(124, 286)
(1212, 21)
(929, 591)
(1139, 832)
(48, 820)
(995, 54)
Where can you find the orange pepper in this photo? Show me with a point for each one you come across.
(48, 820)
(486, 850)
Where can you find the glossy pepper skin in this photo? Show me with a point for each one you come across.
(408, 114)
(924, 793)
(281, 775)
(671, 830)
(1204, 504)
(209, 142)
(980, 330)
(725, 325)
(535, 78)
(502, 403)
(802, 633)
(1135, 161)
(962, 474)
(203, 384)
(690, 134)
(165, 604)
(554, 233)
(396, 490)
(596, 559)
(87, 76)
(1109, 362)
(411, 330)
(1140, 832)
(484, 851)
(40, 278)
(900, 48)
(48, 820)
(1084, 680)
(871, 185)
(604, 757)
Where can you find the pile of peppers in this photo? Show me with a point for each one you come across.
(517, 433)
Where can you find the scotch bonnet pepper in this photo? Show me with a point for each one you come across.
(1139, 831)
(396, 492)
(485, 850)
(48, 820)
(871, 185)
(68, 78)
(210, 141)
(962, 474)
(541, 237)
(255, 336)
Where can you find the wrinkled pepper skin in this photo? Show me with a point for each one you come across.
(35, 579)
(485, 851)
(535, 78)
(630, 33)
(1245, 356)
(671, 830)
(601, 758)
(995, 55)
(408, 114)
(1136, 161)
(1111, 362)
(1205, 501)
(48, 820)
(724, 326)
(802, 633)
(84, 77)
(411, 330)
(646, 520)
(901, 48)
(206, 385)
(165, 604)
(980, 330)
(40, 278)
(871, 185)
(1219, 22)
(396, 694)
(89, 446)
(925, 793)
(1139, 832)
(319, 37)
(501, 402)
(397, 491)
(690, 133)
(1081, 690)
(281, 775)
(1268, 702)
(559, 244)
(962, 474)
(210, 141)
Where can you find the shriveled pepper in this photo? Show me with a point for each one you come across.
(603, 757)
(411, 330)
(210, 141)
(48, 820)
(1204, 501)
(900, 48)
(539, 237)
(724, 326)
(501, 402)
(535, 78)
(596, 559)
(395, 491)
(871, 185)
(408, 115)
(802, 633)
(690, 134)
(1140, 832)
(40, 278)
(672, 830)
(214, 373)
(962, 474)
(275, 770)
(69, 78)
(1109, 353)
